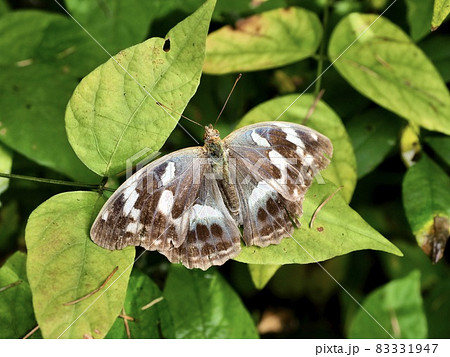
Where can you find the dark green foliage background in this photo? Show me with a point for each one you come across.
(303, 297)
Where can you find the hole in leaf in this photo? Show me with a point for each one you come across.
(166, 46)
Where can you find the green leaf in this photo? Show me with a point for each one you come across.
(397, 306)
(419, 14)
(203, 305)
(114, 23)
(374, 134)
(142, 291)
(16, 309)
(64, 265)
(5, 167)
(426, 194)
(342, 169)
(441, 146)
(337, 230)
(437, 48)
(387, 67)
(261, 274)
(37, 76)
(110, 117)
(32, 120)
(440, 12)
(271, 39)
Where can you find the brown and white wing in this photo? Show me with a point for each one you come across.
(158, 208)
(275, 166)
(213, 236)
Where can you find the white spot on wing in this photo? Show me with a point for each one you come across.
(135, 213)
(203, 211)
(259, 140)
(292, 136)
(105, 215)
(133, 195)
(309, 159)
(165, 202)
(134, 227)
(314, 136)
(169, 173)
(262, 190)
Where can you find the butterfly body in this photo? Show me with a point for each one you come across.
(189, 205)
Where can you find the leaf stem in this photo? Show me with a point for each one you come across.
(55, 182)
(326, 15)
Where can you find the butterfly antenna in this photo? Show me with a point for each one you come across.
(181, 115)
(229, 95)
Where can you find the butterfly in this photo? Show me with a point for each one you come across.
(189, 205)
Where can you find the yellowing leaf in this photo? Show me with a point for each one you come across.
(113, 114)
(440, 12)
(337, 230)
(65, 265)
(380, 61)
(267, 40)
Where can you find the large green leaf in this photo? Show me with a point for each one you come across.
(440, 12)
(387, 67)
(374, 133)
(146, 323)
(64, 265)
(16, 309)
(203, 305)
(342, 170)
(111, 117)
(337, 230)
(267, 40)
(397, 306)
(40, 57)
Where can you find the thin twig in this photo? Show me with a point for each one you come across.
(94, 291)
(31, 332)
(313, 106)
(53, 181)
(10, 285)
(125, 321)
(126, 317)
(323, 204)
(151, 303)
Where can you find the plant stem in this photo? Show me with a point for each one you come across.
(56, 182)
(326, 15)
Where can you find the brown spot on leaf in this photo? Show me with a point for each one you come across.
(319, 229)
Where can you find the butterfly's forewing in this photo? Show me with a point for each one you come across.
(275, 165)
(174, 207)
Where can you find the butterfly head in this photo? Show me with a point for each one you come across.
(213, 143)
(211, 135)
